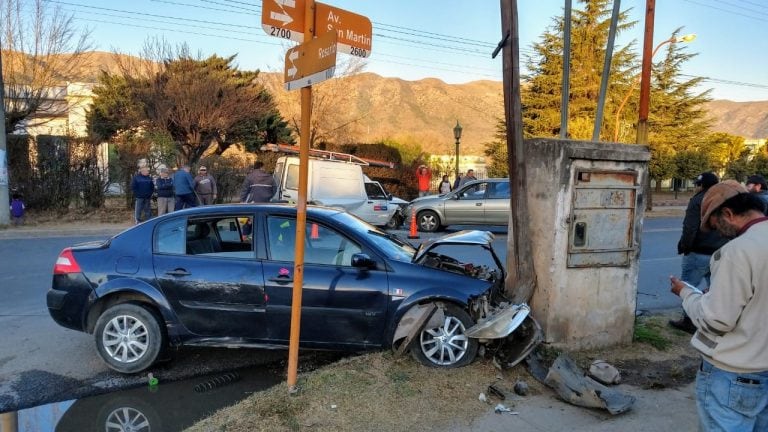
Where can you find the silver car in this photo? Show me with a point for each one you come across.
(479, 202)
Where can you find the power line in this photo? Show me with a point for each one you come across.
(228, 5)
(725, 81)
(742, 7)
(202, 7)
(725, 10)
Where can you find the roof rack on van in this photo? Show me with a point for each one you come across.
(328, 155)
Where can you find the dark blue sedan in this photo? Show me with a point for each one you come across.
(223, 276)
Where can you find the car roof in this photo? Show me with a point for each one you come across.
(284, 208)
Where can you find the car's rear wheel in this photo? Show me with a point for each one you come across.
(394, 222)
(428, 221)
(129, 337)
(446, 345)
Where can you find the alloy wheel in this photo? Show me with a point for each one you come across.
(447, 344)
(125, 338)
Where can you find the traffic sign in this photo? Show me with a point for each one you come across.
(355, 31)
(284, 18)
(311, 62)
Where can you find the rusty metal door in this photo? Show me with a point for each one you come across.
(602, 218)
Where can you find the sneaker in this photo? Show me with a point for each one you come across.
(683, 324)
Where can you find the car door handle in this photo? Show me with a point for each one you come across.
(478, 204)
(280, 279)
(178, 272)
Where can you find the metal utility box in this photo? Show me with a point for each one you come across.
(586, 204)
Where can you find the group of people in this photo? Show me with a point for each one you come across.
(181, 190)
(724, 241)
(424, 179)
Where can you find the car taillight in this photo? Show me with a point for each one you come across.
(66, 263)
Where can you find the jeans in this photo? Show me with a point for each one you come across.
(729, 401)
(143, 208)
(185, 201)
(695, 267)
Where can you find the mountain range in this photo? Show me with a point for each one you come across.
(425, 111)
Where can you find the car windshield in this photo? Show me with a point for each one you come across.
(387, 244)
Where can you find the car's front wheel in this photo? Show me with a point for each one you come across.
(428, 221)
(446, 345)
(129, 337)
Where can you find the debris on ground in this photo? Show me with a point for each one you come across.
(496, 390)
(604, 372)
(501, 408)
(521, 388)
(482, 397)
(575, 387)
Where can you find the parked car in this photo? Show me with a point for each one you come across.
(479, 202)
(376, 191)
(332, 183)
(223, 276)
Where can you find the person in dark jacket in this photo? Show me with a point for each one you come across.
(259, 186)
(695, 245)
(164, 188)
(143, 187)
(184, 187)
(756, 185)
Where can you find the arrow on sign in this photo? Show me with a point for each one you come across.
(287, 3)
(293, 69)
(284, 18)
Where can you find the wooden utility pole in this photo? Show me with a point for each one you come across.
(645, 90)
(521, 277)
(301, 212)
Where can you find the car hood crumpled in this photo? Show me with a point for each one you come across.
(467, 237)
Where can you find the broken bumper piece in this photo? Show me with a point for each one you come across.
(501, 324)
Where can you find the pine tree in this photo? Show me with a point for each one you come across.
(496, 150)
(589, 35)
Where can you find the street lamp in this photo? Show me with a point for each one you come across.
(457, 134)
(686, 38)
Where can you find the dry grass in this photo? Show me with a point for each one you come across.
(369, 392)
(379, 392)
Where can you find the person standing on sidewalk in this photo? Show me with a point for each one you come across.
(143, 187)
(468, 178)
(164, 190)
(695, 245)
(732, 382)
(259, 185)
(184, 188)
(205, 186)
(423, 177)
(756, 184)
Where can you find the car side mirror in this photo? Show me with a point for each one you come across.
(361, 260)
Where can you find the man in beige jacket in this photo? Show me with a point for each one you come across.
(732, 382)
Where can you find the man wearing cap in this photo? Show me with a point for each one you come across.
(732, 381)
(756, 185)
(205, 186)
(695, 245)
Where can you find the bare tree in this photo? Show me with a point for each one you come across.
(333, 119)
(41, 50)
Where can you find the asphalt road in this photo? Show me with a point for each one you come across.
(41, 362)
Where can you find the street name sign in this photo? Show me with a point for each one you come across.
(311, 62)
(284, 18)
(355, 31)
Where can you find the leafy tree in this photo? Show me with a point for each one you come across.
(199, 103)
(662, 165)
(689, 163)
(41, 50)
(541, 99)
(723, 148)
(739, 168)
(496, 150)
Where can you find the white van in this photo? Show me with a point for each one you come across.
(332, 183)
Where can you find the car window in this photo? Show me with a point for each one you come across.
(498, 190)
(292, 179)
(374, 191)
(476, 191)
(223, 237)
(170, 237)
(323, 245)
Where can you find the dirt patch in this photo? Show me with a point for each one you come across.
(380, 392)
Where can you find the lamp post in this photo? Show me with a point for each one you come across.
(457, 134)
(686, 38)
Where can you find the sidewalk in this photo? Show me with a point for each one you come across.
(654, 410)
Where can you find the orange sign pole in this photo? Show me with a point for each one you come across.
(301, 212)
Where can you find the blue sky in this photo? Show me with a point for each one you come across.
(446, 39)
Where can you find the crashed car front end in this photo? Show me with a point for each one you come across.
(506, 330)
